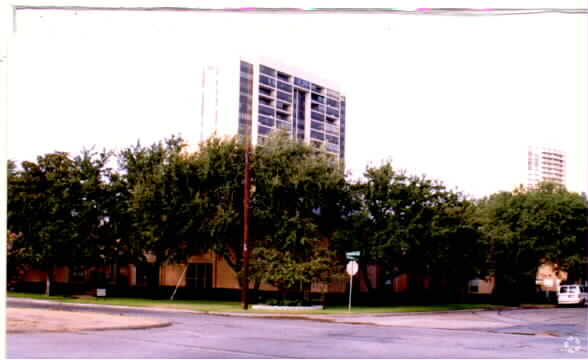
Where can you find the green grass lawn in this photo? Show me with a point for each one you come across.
(235, 306)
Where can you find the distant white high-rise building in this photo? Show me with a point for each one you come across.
(546, 164)
(255, 96)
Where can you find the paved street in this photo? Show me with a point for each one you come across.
(544, 333)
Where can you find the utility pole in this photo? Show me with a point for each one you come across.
(246, 195)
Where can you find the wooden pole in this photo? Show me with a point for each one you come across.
(246, 195)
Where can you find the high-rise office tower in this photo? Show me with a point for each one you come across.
(546, 164)
(255, 97)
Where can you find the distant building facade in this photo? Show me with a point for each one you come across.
(546, 164)
(253, 97)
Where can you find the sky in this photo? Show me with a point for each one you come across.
(456, 98)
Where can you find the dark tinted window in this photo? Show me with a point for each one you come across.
(282, 105)
(332, 112)
(266, 121)
(332, 102)
(317, 116)
(284, 96)
(267, 81)
(284, 77)
(263, 130)
(318, 98)
(265, 91)
(266, 111)
(332, 139)
(302, 83)
(265, 101)
(284, 87)
(317, 135)
(317, 107)
(267, 70)
(281, 116)
(317, 125)
(316, 88)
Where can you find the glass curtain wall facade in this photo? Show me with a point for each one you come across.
(308, 111)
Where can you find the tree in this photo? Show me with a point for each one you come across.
(298, 191)
(221, 172)
(42, 206)
(410, 224)
(525, 228)
(165, 200)
(288, 273)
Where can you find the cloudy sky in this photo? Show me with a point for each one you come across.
(456, 98)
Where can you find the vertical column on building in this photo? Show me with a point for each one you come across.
(245, 99)
(342, 129)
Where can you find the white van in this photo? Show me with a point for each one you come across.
(572, 294)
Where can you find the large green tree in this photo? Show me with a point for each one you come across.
(44, 208)
(166, 203)
(526, 228)
(411, 224)
(296, 208)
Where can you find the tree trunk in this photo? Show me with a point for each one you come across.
(48, 282)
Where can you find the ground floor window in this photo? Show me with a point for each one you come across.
(199, 276)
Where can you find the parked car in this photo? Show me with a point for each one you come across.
(572, 294)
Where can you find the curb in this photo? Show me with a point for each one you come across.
(319, 317)
(132, 327)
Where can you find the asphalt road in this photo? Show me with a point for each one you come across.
(563, 335)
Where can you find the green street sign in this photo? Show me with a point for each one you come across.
(352, 255)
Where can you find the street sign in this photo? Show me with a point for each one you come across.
(352, 268)
(352, 255)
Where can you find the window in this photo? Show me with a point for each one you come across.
(284, 87)
(263, 130)
(266, 121)
(333, 139)
(267, 81)
(332, 103)
(284, 96)
(316, 88)
(317, 98)
(281, 116)
(284, 77)
(302, 83)
(199, 276)
(267, 70)
(317, 135)
(283, 106)
(265, 91)
(317, 107)
(317, 116)
(332, 112)
(266, 111)
(265, 101)
(77, 274)
(246, 67)
(316, 125)
(245, 87)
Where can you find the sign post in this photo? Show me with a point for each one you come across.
(351, 269)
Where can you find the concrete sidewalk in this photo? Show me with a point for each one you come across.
(26, 320)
